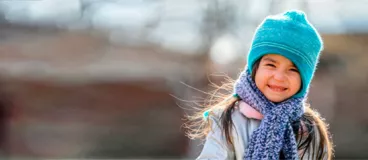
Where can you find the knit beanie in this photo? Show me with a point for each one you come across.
(291, 35)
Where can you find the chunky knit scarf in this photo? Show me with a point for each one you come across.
(275, 132)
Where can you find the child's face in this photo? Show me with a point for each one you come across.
(277, 78)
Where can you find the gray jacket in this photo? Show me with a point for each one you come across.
(216, 148)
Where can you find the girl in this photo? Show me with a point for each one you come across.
(267, 117)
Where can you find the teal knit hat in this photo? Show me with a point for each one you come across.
(292, 36)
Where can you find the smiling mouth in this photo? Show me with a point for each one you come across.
(277, 88)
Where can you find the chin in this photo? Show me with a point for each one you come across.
(275, 99)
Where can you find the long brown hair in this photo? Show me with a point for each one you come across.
(306, 130)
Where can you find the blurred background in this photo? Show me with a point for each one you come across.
(95, 78)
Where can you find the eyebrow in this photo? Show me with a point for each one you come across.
(274, 61)
(269, 59)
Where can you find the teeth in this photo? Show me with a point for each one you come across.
(278, 89)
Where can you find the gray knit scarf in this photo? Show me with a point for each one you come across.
(275, 132)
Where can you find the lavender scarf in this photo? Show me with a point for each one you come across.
(275, 132)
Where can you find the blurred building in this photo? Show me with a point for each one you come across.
(76, 95)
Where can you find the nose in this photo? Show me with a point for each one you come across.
(279, 75)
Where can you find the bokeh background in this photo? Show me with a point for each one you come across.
(109, 78)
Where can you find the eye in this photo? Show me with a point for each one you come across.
(269, 64)
(294, 70)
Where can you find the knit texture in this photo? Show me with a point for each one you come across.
(292, 36)
(275, 132)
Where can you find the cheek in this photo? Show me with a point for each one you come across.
(296, 82)
(261, 77)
